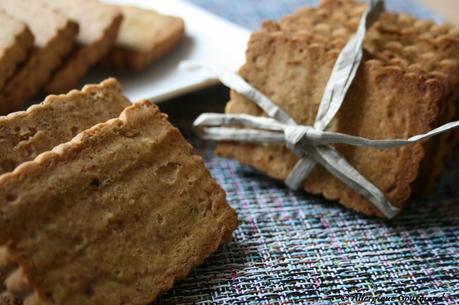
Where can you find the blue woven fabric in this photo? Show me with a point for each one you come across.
(294, 248)
(250, 13)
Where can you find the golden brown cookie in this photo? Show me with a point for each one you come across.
(24, 135)
(400, 40)
(145, 36)
(384, 102)
(396, 39)
(421, 45)
(99, 24)
(15, 42)
(332, 18)
(114, 216)
(54, 39)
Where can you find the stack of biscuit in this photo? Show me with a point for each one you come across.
(407, 84)
(48, 46)
(145, 36)
(102, 202)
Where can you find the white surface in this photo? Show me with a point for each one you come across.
(209, 39)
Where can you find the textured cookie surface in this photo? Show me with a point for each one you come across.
(293, 72)
(422, 45)
(99, 24)
(144, 37)
(403, 41)
(15, 41)
(54, 39)
(24, 135)
(116, 215)
(396, 38)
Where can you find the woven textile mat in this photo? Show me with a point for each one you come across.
(294, 248)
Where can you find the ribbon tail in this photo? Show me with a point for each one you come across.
(319, 137)
(336, 164)
(239, 135)
(346, 67)
(299, 173)
(237, 83)
(217, 127)
(220, 119)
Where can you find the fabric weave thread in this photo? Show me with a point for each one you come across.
(295, 248)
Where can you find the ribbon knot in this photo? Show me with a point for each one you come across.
(299, 138)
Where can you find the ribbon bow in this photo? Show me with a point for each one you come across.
(312, 144)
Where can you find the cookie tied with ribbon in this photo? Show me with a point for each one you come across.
(323, 113)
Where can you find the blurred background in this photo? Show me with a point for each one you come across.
(249, 13)
(449, 9)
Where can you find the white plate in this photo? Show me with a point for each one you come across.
(209, 39)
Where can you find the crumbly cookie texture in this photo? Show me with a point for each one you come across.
(293, 71)
(99, 25)
(145, 36)
(114, 216)
(7, 267)
(25, 135)
(416, 46)
(15, 42)
(54, 39)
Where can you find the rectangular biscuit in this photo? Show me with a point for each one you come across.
(423, 46)
(144, 37)
(24, 135)
(114, 216)
(396, 38)
(403, 41)
(99, 25)
(54, 39)
(293, 73)
(427, 46)
(15, 43)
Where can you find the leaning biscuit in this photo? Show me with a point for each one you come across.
(54, 39)
(99, 24)
(293, 73)
(15, 42)
(25, 135)
(114, 216)
(145, 36)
